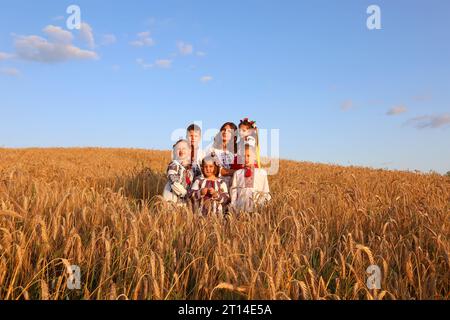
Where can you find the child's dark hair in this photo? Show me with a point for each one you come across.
(216, 166)
(247, 123)
(233, 127)
(193, 127)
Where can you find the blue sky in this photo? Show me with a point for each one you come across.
(338, 92)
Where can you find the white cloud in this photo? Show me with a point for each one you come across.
(57, 34)
(206, 79)
(143, 40)
(87, 35)
(397, 110)
(4, 56)
(108, 39)
(143, 64)
(57, 48)
(430, 121)
(163, 63)
(185, 48)
(200, 53)
(13, 72)
(347, 105)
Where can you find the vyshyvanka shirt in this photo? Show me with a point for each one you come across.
(177, 173)
(207, 204)
(225, 159)
(249, 191)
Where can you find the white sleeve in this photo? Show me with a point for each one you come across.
(264, 185)
(200, 155)
(267, 188)
(195, 185)
(233, 189)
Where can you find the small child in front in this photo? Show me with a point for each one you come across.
(210, 193)
(250, 187)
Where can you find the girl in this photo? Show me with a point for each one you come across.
(210, 193)
(178, 173)
(250, 188)
(224, 151)
(248, 133)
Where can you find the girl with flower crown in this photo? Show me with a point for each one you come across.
(248, 132)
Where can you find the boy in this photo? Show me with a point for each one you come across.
(194, 136)
(250, 187)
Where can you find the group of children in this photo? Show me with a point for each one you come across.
(226, 177)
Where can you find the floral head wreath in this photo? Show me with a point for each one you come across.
(247, 121)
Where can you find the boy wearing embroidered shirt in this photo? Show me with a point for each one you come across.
(250, 187)
(194, 136)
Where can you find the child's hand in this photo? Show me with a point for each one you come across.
(212, 192)
(204, 191)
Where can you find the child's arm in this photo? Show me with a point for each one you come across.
(233, 190)
(195, 192)
(266, 189)
(223, 193)
(172, 173)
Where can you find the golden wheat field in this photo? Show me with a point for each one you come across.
(99, 209)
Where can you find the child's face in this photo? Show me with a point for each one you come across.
(182, 151)
(227, 133)
(245, 131)
(194, 137)
(208, 169)
(249, 157)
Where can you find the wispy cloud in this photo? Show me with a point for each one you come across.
(143, 40)
(185, 48)
(5, 56)
(396, 110)
(87, 35)
(58, 35)
(57, 48)
(423, 97)
(206, 79)
(143, 64)
(347, 105)
(163, 63)
(108, 39)
(13, 72)
(200, 53)
(430, 121)
(58, 18)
